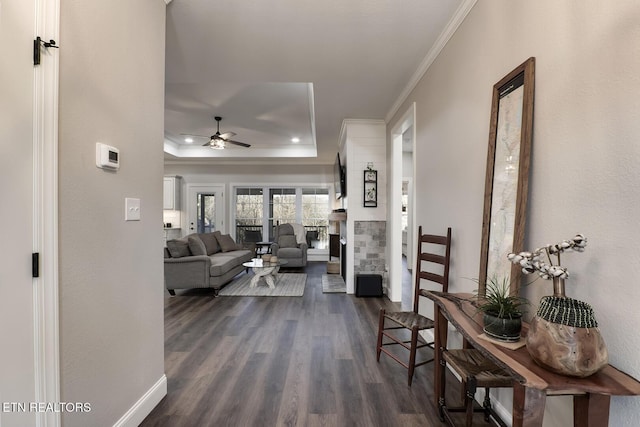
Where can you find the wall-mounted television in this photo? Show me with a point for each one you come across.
(339, 178)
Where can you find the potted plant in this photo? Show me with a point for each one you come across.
(502, 312)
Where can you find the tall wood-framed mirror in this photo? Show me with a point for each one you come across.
(507, 176)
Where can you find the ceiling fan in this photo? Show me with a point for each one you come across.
(219, 140)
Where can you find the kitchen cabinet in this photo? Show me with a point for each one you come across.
(171, 192)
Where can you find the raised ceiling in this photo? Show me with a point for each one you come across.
(279, 70)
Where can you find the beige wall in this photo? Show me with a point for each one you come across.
(585, 168)
(111, 274)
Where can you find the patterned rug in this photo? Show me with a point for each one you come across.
(287, 285)
(333, 284)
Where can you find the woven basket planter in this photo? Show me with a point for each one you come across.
(564, 338)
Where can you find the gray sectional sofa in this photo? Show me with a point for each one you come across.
(208, 260)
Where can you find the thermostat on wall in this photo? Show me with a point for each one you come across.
(107, 157)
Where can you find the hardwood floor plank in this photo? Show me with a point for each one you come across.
(274, 380)
(286, 361)
(322, 380)
(295, 398)
(351, 396)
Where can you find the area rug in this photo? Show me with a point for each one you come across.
(287, 285)
(333, 284)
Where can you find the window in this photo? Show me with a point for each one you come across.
(282, 207)
(206, 216)
(315, 216)
(308, 206)
(249, 211)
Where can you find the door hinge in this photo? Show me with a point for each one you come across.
(36, 48)
(35, 264)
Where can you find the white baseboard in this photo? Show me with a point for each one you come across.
(144, 405)
(504, 413)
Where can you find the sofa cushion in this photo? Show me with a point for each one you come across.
(288, 253)
(178, 248)
(287, 241)
(226, 242)
(210, 242)
(223, 262)
(196, 246)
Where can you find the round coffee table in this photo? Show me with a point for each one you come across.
(268, 270)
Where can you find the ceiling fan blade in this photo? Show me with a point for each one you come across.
(242, 144)
(226, 135)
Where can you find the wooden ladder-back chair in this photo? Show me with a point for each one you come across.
(475, 371)
(435, 270)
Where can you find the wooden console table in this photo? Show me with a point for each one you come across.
(532, 383)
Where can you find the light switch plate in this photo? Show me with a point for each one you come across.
(132, 209)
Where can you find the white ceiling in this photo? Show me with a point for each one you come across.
(278, 69)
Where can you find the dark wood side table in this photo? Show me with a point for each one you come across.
(532, 383)
(263, 248)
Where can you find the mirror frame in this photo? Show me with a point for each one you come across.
(496, 241)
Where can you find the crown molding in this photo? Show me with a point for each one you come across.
(441, 42)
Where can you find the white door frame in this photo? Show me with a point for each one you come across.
(191, 191)
(45, 131)
(45, 305)
(407, 120)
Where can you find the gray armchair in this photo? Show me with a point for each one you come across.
(286, 247)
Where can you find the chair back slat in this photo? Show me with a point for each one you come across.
(432, 277)
(429, 252)
(431, 238)
(438, 259)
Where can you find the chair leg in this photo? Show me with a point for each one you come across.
(380, 329)
(471, 393)
(486, 405)
(442, 380)
(463, 392)
(412, 352)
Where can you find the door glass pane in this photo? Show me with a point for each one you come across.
(206, 213)
(315, 216)
(282, 207)
(249, 207)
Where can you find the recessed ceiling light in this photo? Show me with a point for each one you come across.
(188, 140)
(295, 140)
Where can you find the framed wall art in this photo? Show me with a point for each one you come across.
(507, 176)
(370, 195)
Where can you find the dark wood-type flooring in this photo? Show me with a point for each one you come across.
(286, 361)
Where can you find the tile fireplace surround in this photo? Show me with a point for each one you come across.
(369, 247)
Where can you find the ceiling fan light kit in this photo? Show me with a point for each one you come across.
(219, 141)
(216, 144)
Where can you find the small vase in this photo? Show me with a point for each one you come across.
(564, 336)
(503, 328)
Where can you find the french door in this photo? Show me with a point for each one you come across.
(206, 212)
(205, 208)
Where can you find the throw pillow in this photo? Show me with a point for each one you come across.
(178, 248)
(210, 242)
(287, 241)
(226, 243)
(196, 246)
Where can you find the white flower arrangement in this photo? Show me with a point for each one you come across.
(534, 261)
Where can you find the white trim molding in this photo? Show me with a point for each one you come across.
(45, 202)
(394, 245)
(143, 407)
